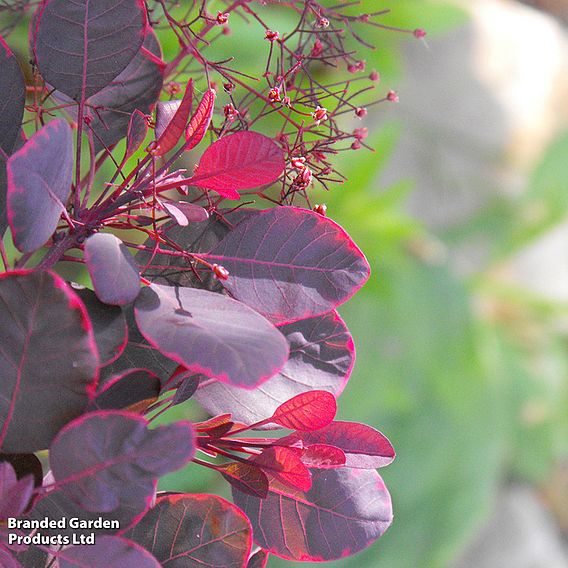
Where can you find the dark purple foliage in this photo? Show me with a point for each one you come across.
(117, 451)
(344, 512)
(189, 295)
(49, 372)
(39, 183)
(290, 264)
(95, 42)
(113, 271)
(321, 357)
(211, 334)
(192, 531)
(107, 552)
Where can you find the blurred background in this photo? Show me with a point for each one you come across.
(462, 332)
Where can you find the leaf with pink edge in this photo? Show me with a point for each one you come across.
(243, 160)
(106, 552)
(95, 42)
(49, 371)
(345, 511)
(193, 531)
(322, 355)
(364, 447)
(113, 271)
(39, 183)
(211, 334)
(290, 263)
(97, 457)
(258, 560)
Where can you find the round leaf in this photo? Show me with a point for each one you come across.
(242, 160)
(290, 263)
(81, 46)
(211, 334)
(193, 531)
(48, 359)
(345, 511)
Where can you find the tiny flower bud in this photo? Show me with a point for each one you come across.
(356, 145)
(319, 115)
(298, 163)
(356, 67)
(173, 88)
(374, 76)
(231, 112)
(392, 96)
(323, 23)
(226, 30)
(274, 95)
(419, 33)
(317, 49)
(222, 18)
(361, 112)
(287, 102)
(321, 209)
(228, 87)
(220, 272)
(88, 120)
(271, 36)
(361, 133)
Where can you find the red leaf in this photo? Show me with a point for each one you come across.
(243, 160)
(217, 426)
(173, 131)
(246, 478)
(285, 465)
(364, 447)
(323, 456)
(308, 411)
(200, 121)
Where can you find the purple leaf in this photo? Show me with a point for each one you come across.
(98, 456)
(25, 464)
(56, 505)
(211, 334)
(194, 531)
(243, 160)
(322, 355)
(364, 447)
(136, 132)
(175, 213)
(12, 98)
(109, 325)
(258, 560)
(95, 42)
(135, 390)
(290, 263)
(138, 354)
(39, 183)
(184, 213)
(112, 269)
(14, 494)
(196, 238)
(345, 511)
(7, 560)
(48, 362)
(187, 388)
(106, 552)
(130, 96)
